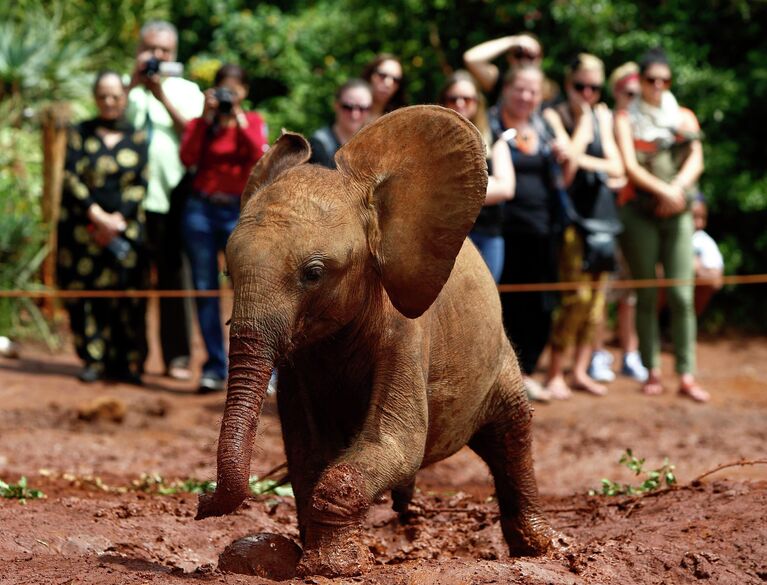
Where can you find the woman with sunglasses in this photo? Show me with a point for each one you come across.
(352, 104)
(661, 148)
(460, 93)
(587, 125)
(624, 85)
(385, 76)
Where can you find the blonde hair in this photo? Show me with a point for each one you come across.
(584, 62)
(620, 73)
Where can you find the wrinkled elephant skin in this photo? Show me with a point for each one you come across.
(360, 286)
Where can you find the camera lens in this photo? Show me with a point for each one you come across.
(152, 66)
(225, 100)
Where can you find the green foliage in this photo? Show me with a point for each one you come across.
(23, 244)
(298, 52)
(19, 491)
(653, 480)
(156, 484)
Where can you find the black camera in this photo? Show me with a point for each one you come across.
(120, 247)
(225, 99)
(152, 67)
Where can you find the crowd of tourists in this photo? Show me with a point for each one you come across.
(576, 192)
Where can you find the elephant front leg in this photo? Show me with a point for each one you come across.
(333, 545)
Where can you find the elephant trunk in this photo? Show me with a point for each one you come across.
(250, 366)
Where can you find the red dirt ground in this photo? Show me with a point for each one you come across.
(85, 532)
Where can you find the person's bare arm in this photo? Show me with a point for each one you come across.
(692, 167)
(611, 164)
(478, 59)
(568, 148)
(502, 183)
(154, 84)
(670, 197)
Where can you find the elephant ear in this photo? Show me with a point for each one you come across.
(289, 150)
(424, 174)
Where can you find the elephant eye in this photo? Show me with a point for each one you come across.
(313, 271)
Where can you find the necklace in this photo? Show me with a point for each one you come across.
(526, 140)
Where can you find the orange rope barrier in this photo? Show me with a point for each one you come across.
(736, 279)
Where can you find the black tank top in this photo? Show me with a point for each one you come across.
(530, 210)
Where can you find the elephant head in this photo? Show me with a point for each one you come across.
(314, 247)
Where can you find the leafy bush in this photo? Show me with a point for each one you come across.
(654, 480)
(299, 51)
(19, 491)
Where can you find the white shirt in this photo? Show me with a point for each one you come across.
(165, 168)
(705, 248)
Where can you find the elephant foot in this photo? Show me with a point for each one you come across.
(531, 538)
(342, 554)
(333, 544)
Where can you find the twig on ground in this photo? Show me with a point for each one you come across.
(740, 463)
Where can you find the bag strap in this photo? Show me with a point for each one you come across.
(328, 141)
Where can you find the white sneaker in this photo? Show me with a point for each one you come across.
(8, 349)
(599, 368)
(633, 367)
(535, 391)
(211, 383)
(272, 388)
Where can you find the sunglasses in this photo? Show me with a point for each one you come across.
(631, 94)
(581, 87)
(354, 108)
(384, 76)
(665, 81)
(453, 99)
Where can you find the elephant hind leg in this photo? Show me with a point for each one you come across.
(401, 497)
(505, 444)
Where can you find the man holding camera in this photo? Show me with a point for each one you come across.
(161, 102)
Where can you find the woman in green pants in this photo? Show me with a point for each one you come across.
(661, 149)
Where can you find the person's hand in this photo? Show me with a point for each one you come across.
(139, 77)
(210, 109)
(527, 43)
(560, 149)
(106, 226)
(671, 201)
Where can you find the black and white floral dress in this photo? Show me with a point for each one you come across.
(109, 333)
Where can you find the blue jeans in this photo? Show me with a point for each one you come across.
(206, 228)
(493, 252)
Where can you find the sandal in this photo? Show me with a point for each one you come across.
(652, 387)
(694, 392)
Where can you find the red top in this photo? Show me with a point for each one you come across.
(225, 160)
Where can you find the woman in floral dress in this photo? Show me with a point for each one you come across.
(101, 237)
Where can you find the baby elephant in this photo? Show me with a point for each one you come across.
(359, 284)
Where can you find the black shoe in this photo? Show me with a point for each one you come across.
(89, 374)
(129, 378)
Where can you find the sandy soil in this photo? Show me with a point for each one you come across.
(86, 448)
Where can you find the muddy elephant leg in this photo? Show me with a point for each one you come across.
(387, 453)
(307, 455)
(401, 497)
(505, 444)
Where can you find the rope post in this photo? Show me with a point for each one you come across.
(54, 120)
